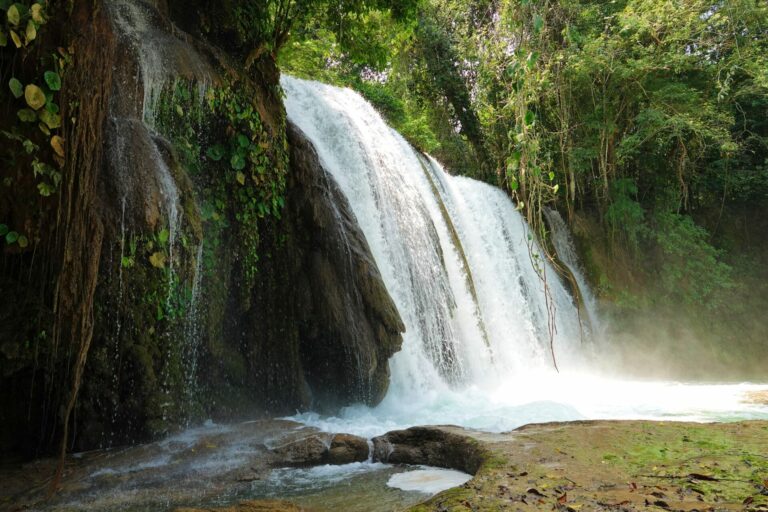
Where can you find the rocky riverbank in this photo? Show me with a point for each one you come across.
(590, 465)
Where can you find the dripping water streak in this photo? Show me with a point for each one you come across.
(566, 252)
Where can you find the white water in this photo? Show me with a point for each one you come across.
(566, 251)
(428, 480)
(164, 59)
(479, 359)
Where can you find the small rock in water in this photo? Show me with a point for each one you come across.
(346, 448)
(306, 451)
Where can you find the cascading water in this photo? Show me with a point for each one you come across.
(138, 21)
(469, 281)
(163, 61)
(192, 333)
(464, 326)
(566, 252)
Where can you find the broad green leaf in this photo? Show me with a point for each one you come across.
(14, 15)
(31, 31)
(243, 141)
(529, 118)
(53, 80)
(3, 229)
(16, 39)
(538, 23)
(35, 96)
(30, 147)
(163, 236)
(27, 115)
(240, 178)
(11, 237)
(44, 128)
(215, 153)
(237, 161)
(36, 10)
(17, 88)
(45, 189)
(551, 176)
(53, 121)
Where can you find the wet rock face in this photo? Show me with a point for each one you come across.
(430, 446)
(315, 329)
(331, 288)
(346, 448)
(322, 448)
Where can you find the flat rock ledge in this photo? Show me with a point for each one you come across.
(586, 466)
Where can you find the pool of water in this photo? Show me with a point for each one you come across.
(357, 487)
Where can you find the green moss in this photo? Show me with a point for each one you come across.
(493, 461)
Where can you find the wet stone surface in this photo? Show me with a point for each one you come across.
(573, 466)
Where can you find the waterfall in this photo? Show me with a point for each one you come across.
(164, 59)
(192, 335)
(455, 254)
(160, 59)
(566, 252)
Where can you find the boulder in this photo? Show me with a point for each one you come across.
(346, 448)
(430, 446)
(321, 448)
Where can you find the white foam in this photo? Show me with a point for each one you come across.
(428, 480)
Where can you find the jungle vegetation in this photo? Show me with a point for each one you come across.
(643, 121)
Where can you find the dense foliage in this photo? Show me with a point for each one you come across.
(643, 120)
